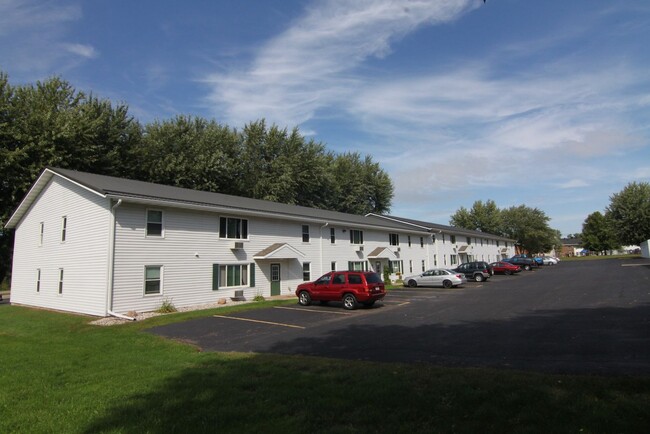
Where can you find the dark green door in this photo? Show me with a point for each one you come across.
(275, 279)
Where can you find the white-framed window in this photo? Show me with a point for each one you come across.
(38, 280)
(422, 240)
(356, 236)
(358, 265)
(233, 228)
(332, 236)
(393, 239)
(152, 279)
(306, 271)
(154, 223)
(410, 266)
(453, 259)
(64, 228)
(469, 241)
(333, 266)
(435, 260)
(60, 281)
(41, 233)
(395, 266)
(409, 240)
(233, 275)
(424, 266)
(453, 239)
(305, 233)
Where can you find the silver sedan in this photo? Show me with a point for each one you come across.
(436, 277)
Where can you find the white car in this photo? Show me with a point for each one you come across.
(436, 277)
(548, 260)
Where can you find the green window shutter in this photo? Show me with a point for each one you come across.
(215, 277)
(252, 279)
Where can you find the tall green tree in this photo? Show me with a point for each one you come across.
(598, 233)
(629, 211)
(51, 124)
(529, 226)
(483, 217)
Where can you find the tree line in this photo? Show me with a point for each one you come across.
(528, 226)
(50, 123)
(626, 220)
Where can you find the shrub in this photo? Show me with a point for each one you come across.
(166, 307)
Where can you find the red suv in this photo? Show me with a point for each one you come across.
(351, 287)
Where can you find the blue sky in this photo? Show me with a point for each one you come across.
(543, 103)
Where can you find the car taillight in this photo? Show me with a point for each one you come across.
(460, 276)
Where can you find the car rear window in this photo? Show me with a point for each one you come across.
(373, 278)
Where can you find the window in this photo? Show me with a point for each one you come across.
(306, 271)
(408, 238)
(453, 259)
(481, 241)
(305, 233)
(333, 266)
(354, 279)
(358, 266)
(393, 239)
(154, 223)
(435, 260)
(152, 280)
(498, 243)
(233, 275)
(64, 225)
(38, 280)
(395, 266)
(443, 238)
(469, 241)
(453, 239)
(423, 265)
(356, 236)
(60, 280)
(41, 233)
(332, 235)
(422, 240)
(410, 266)
(233, 228)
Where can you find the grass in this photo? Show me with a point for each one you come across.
(60, 374)
(598, 257)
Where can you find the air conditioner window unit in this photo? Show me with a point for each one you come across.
(360, 248)
(237, 245)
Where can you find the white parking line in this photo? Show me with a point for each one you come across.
(312, 310)
(261, 322)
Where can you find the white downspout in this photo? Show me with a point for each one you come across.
(321, 248)
(111, 265)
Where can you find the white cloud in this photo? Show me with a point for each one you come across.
(33, 38)
(86, 51)
(310, 65)
(574, 183)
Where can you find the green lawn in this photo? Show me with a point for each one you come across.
(59, 374)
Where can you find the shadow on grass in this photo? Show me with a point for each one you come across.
(274, 393)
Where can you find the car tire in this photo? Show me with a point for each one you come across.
(349, 301)
(479, 278)
(304, 299)
(412, 283)
(527, 267)
(447, 284)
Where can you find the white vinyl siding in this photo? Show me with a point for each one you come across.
(83, 256)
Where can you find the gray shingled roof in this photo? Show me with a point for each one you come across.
(443, 228)
(122, 188)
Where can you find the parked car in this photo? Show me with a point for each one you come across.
(436, 277)
(478, 271)
(350, 287)
(504, 268)
(549, 260)
(525, 263)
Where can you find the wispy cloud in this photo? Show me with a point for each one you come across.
(311, 64)
(33, 38)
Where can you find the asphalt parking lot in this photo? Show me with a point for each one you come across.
(589, 317)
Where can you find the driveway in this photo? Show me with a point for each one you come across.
(576, 317)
